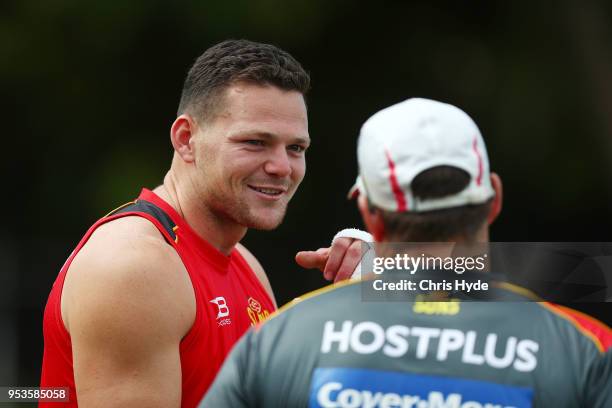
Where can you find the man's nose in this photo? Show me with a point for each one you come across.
(278, 163)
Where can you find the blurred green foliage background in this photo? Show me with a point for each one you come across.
(90, 89)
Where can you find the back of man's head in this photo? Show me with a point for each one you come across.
(424, 170)
(233, 61)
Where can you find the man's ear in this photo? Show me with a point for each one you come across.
(496, 204)
(182, 133)
(371, 218)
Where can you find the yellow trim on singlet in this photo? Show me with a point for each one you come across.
(567, 316)
(311, 294)
(504, 285)
(517, 289)
(174, 229)
(559, 312)
(120, 207)
(584, 316)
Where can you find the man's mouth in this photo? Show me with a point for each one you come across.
(269, 191)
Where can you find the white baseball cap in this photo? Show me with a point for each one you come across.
(397, 143)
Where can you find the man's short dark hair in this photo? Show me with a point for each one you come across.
(437, 225)
(233, 61)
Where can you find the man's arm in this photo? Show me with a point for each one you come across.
(127, 302)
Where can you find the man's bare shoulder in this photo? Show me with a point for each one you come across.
(127, 264)
(137, 230)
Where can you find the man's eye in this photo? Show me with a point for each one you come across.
(297, 148)
(255, 142)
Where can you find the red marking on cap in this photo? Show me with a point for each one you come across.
(480, 170)
(397, 191)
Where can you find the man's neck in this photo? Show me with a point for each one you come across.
(221, 233)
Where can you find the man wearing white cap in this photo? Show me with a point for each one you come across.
(423, 178)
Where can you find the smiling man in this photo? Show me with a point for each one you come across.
(157, 292)
(241, 169)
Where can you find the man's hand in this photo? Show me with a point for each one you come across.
(337, 262)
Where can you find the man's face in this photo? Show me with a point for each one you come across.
(250, 157)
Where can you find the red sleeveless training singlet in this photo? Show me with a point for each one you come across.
(229, 299)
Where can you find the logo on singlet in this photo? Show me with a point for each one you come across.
(255, 311)
(222, 310)
(254, 305)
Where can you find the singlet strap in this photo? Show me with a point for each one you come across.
(143, 206)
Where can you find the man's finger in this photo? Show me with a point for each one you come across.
(312, 259)
(336, 255)
(349, 262)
